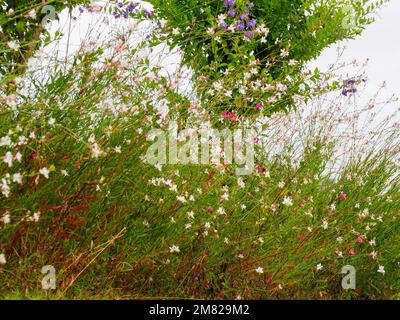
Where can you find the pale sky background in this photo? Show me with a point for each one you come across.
(380, 42)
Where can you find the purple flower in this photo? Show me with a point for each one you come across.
(120, 4)
(148, 13)
(223, 25)
(80, 9)
(251, 24)
(350, 82)
(349, 87)
(239, 25)
(230, 3)
(245, 16)
(251, 5)
(231, 13)
(249, 34)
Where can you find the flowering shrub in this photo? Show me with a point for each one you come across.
(78, 193)
(244, 52)
(22, 31)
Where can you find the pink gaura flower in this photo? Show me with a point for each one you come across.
(373, 255)
(361, 238)
(352, 252)
(228, 115)
(342, 196)
(118, 48)
(260, 106)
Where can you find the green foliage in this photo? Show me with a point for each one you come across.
(303, 28)
(17, 26)
(77, 194)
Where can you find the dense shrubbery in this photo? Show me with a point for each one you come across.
(77, 193)
(257, 50)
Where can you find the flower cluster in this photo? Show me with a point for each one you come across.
(238, 18)
(124, 11)
(350, 86)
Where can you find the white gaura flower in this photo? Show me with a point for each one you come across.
(175, 31)
(22, 140)
(211, 31)
(225, 197)
(117, 149)
(92, 139)
(231, 28)
(36, 216)
(240, 183)
(5, 141)
(260, 270)
(6, 218)
(44, 172)
(96, 151)
(32, 14)
(287, 201)
(2, 258)
(5, 189)
(8, 159)
(221, 18)
(13, 45)
(284, 53)
(163, 23)
(17, 178)
(190, 214)
(174, 248)
(319, 267)
(18, 156)
(381, 269)
(308, 213)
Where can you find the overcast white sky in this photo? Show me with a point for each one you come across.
(380, 42)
